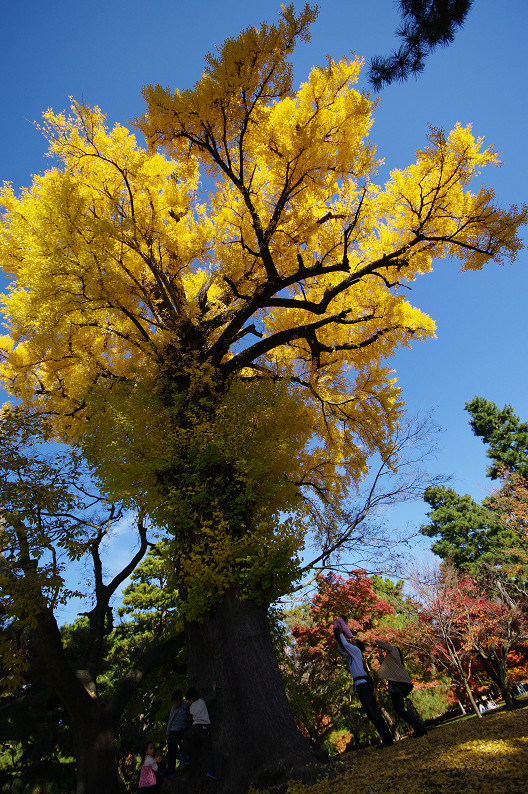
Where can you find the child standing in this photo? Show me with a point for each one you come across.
(176, 726)
(197, 739)
(147, 776)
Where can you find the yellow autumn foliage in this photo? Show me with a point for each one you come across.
(211, 318)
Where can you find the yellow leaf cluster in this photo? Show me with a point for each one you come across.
(155, 322)
(86, 247)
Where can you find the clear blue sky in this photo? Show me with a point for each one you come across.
(105, 51)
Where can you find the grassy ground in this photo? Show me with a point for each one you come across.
(472, 755)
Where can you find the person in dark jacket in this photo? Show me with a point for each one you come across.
(400, 685)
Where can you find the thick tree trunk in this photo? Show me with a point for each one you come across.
(95, 756)
(254, 735)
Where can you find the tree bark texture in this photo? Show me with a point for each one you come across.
(91, 724)
(95, 756)
(255, 739)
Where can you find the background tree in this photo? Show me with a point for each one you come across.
(318, 681)
(52, 517)
(492, 533)
(35, 738)
(222, 363)
(470, 624)
(36, 726)
(466, 533)
(447, 626)
(509, 505)
(315, 662)
(504, 433)
(426, 24)
(433, 688)
(487, 541)
(148, 619)
(504, 631)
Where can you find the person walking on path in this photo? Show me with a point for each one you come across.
(400, 685)
(352, 651)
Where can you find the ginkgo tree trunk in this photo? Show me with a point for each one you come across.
(219, 348)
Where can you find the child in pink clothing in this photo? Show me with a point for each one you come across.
(147, 776)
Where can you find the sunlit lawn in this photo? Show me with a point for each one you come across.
(473, 755)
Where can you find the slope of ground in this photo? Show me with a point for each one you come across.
(473, 755)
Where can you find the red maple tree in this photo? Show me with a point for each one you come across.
(469, 625)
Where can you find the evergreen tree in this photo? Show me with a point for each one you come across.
(503, 432)
(426, 24)
(476, 536)
(465, 532)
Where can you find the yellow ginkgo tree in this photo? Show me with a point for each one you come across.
(210, 320)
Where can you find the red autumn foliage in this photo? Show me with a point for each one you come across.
(469, 625)
(354, 598)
